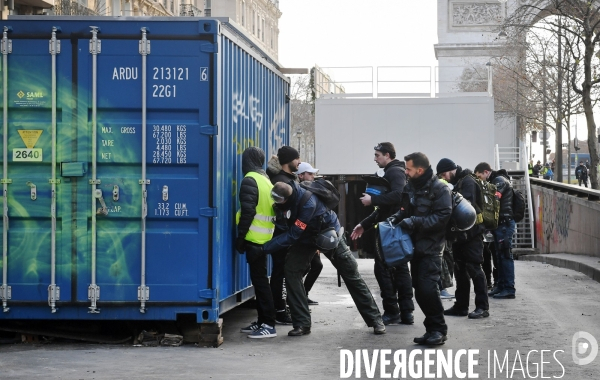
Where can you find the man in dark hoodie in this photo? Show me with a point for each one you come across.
(505, 288)
(288, 159)
(425, 211)
(394, 283)
(467, 247)
(255, 228)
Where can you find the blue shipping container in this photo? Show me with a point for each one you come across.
(122, 142)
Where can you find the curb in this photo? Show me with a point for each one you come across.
(591, 272)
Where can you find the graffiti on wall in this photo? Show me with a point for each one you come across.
(247, 111)
(553, 219)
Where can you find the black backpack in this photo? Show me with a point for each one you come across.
(324, 190)
(518, 205)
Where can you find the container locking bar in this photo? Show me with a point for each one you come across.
(143, 290)
(5, 290)
(53, 289)
(93, 288)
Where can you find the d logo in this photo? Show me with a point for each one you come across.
(583, 343)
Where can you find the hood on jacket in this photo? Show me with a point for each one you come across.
(460, 174)
(498, 173)
(273, 166)
(395, 162)
(253, 159)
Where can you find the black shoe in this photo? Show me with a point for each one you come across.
(436, 338)
(311, 302)
(299, 331)
(390, 319)
(283, 317)
(455, 312)
(494, 291)
(406, 318)
(379, 328)
(505, 294)
(479, 313)
(422, 339)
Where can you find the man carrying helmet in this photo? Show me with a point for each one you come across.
(467, 246)
(312, 226)
(426, 208)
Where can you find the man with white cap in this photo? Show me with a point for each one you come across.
(307, 173)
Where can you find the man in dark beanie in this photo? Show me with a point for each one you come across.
(289, 160)
(395, 283)
(467, 246)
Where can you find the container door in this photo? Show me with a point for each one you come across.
(36, 134)
(151, 242)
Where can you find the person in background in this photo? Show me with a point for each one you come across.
(307, 173)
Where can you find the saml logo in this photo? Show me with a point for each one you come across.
(20, 94)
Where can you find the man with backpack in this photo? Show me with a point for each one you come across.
(395, 283)
(581, 173)
(505, 288)
(313, 225)
(467, 246)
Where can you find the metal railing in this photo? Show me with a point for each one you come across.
(189, 10)
(401, 82)
(578, 191)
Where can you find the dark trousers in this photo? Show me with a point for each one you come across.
(395, 285)
(490, 263)
(316, 266)
(506, 266)
(257, 261)
(277, 278)
(296, 264)
(468, 257)
(426, 271)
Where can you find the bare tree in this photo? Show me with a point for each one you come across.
(579, 26)
(302, 111)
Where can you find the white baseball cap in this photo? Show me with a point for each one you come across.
(305, 167)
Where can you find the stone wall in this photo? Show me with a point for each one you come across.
(565, 223)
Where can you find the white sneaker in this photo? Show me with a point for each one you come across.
(445, 295)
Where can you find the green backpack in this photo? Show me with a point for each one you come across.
(488, 205)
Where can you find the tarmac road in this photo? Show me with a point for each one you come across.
(552, 304)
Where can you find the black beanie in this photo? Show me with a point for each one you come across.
(445, 165)
(287, 154)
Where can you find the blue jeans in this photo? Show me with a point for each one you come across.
(503, 236)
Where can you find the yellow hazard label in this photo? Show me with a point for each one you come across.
(30, 136)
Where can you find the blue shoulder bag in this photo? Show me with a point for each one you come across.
(396, 245)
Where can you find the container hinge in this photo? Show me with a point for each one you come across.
(209, 47)
(143, 293)
(5, 293)
(210, 130)
(93, 296)
(95, 43)
(101, 210)
(33, 190)
(95, 182)
(53, 296)
(209, 212)
(6, 43)
(54, 44)
(7, 180)
(165, 193)
(144, 43)
(208, 293)
(55, 181)
(141, 182)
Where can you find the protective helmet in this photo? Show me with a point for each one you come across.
(376, 185)
(463, 213)
(327, 239)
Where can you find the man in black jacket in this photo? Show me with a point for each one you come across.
(394, 283)
(467, 247)
(503, 234)
(288, 159)
(306, 217)
(255, 228)
(426, 209)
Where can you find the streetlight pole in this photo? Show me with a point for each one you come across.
(299, 134)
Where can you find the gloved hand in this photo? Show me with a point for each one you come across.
(407, 224)
(392, 220)
(240, 245)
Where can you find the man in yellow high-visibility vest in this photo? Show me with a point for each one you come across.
(255, 228)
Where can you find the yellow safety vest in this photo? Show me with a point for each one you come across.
(263, 225)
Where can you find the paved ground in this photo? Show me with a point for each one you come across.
(552, 305)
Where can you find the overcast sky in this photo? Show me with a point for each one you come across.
(333, 33)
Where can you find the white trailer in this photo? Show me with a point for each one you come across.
(458, 127)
